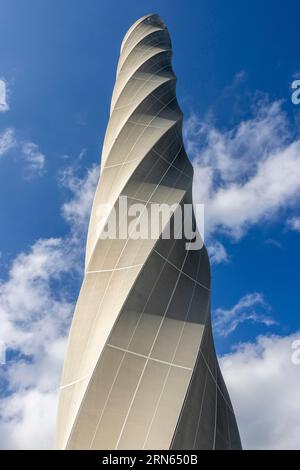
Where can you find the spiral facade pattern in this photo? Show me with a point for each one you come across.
(141, 370)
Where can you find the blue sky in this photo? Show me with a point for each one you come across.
(235, 63)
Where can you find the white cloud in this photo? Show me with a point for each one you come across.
(34, 318)
(77, 210)
(18, 411)
(34, 158)
(3, 96)
(272, 242)
(294, 224)
(251, 307)
(247, 174)
(264, 387)
(254, 162)
(217, 253)
(35, 312)
(26, 294)
(7, 140)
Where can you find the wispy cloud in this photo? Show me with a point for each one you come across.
(4, 106)
(7, 140)
(34, 318)
(76, 210)
(29, 151)
(35, 315)
(264, 387)
(251, 307)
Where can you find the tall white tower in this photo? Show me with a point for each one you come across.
(141, 370)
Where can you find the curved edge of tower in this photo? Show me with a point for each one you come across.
(141, 370)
